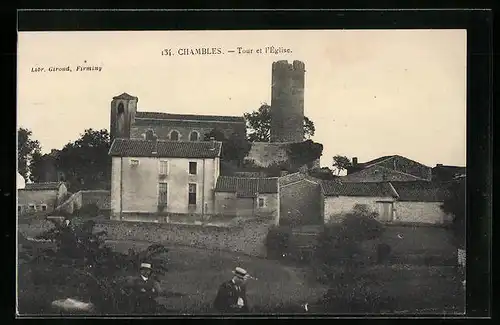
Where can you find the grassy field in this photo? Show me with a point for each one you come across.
(194, 276)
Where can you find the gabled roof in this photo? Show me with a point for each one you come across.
(389, 173)
(42, 186)
(184, 117)
(376, 160)
(338, 188)
(246, 187)
(125, 96)
(161, 148)
(296, 177)
(421, 191)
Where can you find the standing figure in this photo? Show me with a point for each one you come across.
(142, 291)
(231, 297)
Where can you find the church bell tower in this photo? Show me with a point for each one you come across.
(123, 109)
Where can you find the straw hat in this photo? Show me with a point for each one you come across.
(146, 266)
(241, 273)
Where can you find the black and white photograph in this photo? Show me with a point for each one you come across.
(241, 172)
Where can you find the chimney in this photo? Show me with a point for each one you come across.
(439, 165)
(354, 161)
(214, 143)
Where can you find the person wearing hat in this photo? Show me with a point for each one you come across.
(143, 290)
(231, 297)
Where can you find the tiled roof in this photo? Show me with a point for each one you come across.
(173, 149)
(246, 187)
(168, 116)
(420, 191)
(295, 177)
(124, 96)
(376, 160)
(42, 186)
(390, 174)
(338, 188)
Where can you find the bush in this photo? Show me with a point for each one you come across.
(278, 241)
(339, 243)
(90, 210)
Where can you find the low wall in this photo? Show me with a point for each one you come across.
(102, 198)
(247, 238)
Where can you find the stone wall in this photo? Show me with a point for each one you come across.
(266, 153)
(300, 202)
(421, 212)
(248, 237)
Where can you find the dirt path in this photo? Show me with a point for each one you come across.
(195, 275)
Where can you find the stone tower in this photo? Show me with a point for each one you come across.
(123, 109)
(287, 102)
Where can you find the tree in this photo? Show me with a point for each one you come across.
(235, 148)
(26, 147)
(259, 124)
(36, 167)
(341, 163)
(454, 205)
(85, 162)
(303, 153)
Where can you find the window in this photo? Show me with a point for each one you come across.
(44, 207)
(174, 135)
(261, 202)
(120, 108)
(192, 168)
(134, 162)
(193, 136)
(32, 207)
(163, 167)
(19, 208)
(192, 194)
(162, 194)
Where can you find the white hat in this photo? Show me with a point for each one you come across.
(241, 273)
(145, 266)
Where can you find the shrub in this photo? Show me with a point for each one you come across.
(339, 243)
(278, 240)
(90, 210)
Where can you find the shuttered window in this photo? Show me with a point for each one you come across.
(163, 194)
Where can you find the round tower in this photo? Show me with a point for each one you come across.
(123, 109)
(287, 101)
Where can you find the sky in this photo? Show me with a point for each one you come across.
(369, 93)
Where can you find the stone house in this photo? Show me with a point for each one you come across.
(300, 200)
(153, 178)
(40, 197)
(396, 202)
(340, 198)
(247, 197)
(444, 173)
(393, 168)
(420, 202)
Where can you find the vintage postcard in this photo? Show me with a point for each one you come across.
(241, 172)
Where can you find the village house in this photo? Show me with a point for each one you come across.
(393, 168)
(420, 202)
(340, 198)
(40, 197)
(444, 173)
(152, 178)
(247, 197)
(395, 202)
